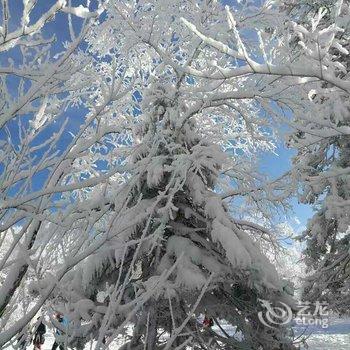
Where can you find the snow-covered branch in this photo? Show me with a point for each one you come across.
(299, 69)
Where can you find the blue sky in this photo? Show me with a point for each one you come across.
(58, 27)
(273, 164)
(276, 165)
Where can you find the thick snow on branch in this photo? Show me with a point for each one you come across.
(83, 12)
(316, 69)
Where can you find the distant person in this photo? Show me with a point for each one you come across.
(39, 334)
(208, 322)
(61, 319)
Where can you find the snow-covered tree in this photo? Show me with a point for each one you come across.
(323, 159)
(169, 235)
(35, 80)
(155, 211)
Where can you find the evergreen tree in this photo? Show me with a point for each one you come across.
(322, 164)
(181, 229)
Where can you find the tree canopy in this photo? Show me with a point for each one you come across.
(132, 197)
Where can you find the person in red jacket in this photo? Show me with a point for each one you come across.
(207, 322)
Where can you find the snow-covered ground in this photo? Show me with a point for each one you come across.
(335, 337)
